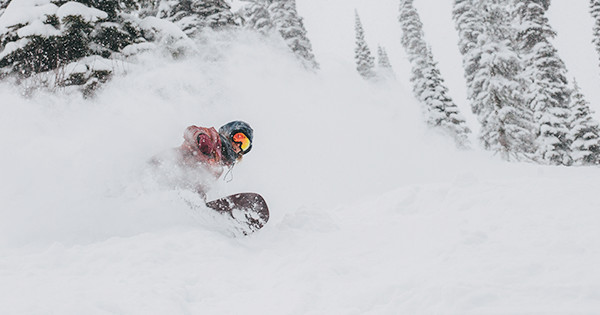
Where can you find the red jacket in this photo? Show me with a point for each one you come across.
(202, 147)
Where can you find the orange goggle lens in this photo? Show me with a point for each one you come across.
(243, 140)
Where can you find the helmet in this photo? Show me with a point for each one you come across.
(231, 131)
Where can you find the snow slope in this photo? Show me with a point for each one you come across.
(371, 212)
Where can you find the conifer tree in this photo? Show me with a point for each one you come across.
(585, 132)
(470, 26)
(428, 85)
(383, 62)
(216, 13)
(3, 5)
(492, 71)
(289, 24)
(365, 63)
(548, 94)
(146, 8)
(193, 15)
(595, 11)
(531, 24)
(256, 16)
(66, 32)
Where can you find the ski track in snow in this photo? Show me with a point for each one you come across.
(370, 212)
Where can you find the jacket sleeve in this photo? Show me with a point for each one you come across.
(212, 155)
(191, 135)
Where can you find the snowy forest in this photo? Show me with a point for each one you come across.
(517, 84)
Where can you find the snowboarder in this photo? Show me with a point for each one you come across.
(201, 160)
(204, 147)
(205, 153)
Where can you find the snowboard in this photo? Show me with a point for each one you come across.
(248, 209)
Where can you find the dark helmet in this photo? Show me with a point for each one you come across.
(228, 132)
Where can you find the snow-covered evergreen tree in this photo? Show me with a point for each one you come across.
(492, 70)
(531, 24)
(44, 35)
(383, 61)
(3, 5)
(191, 16)
(289, 24)
(385, 69)
(428, 85)
(585, 133)
(470, 26)
(147, 8)
(216, 13)
(365, 62)
(548, 93)
(595, 11)
(442, 110)
(256, 16)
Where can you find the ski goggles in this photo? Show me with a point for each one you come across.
(244, 142)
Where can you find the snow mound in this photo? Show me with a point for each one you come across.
(75, 8)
